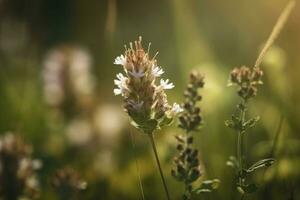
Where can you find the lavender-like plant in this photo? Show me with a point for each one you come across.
(247, 81)
(187, 166)
(145, 101)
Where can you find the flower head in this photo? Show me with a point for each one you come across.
(247, 79)
(145, 101)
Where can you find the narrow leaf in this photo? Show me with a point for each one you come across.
(262, 163)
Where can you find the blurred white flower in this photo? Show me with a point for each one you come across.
(79, 132)
(67, 67)
(24, 165)
(37, 164)
(80, 72)
(109, 120)
(52, 76)
(32, 182)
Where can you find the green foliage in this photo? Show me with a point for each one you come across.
(105, 157)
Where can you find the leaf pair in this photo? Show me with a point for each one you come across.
(237, 124)
(151, 125)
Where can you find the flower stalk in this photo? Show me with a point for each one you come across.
(187, 166)
(159, 165)
(145, 100)
(247, 80)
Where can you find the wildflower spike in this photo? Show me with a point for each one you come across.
(187, 165)
(145, 101)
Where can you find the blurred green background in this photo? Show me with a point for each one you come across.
(56, 82)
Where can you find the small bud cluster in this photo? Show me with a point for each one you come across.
(247, 80)
(68, 183)
(187, 164)
(187, 168)
(145, 101)
(18, 170)
(190, 119)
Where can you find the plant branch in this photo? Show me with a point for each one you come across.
(240, 140)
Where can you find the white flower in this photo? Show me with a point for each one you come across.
(120, 60)
(166, 85)
(137, 74)
(121, 83)
(176, 108)
(121, 80)
(157, 71)
(118, 91)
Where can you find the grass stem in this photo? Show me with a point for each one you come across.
(137, 165)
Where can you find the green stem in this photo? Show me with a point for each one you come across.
(240, 144)
(158, 165)
(240, 153)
